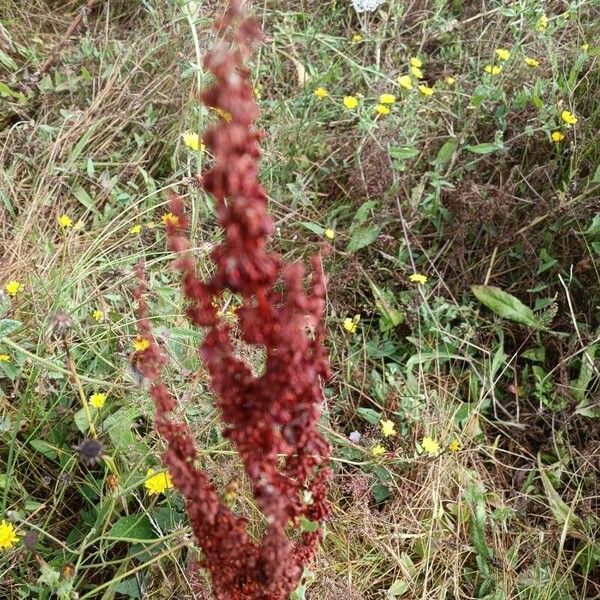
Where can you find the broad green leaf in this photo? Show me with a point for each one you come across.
(445, 153)
(8, 326)
(562, 512)
(369, 415)
(313, 227)
(308, 526)
(118, 426)
(594, 228)
(84, 198)
(363, 212)
(486, 148)
(44, 448)
(132, 527)
(506, 305)
(390, 316)
(398, 589)
(596, 177)
(361, 237)
(586, 372)
(403, 153)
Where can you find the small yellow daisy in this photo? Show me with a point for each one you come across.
(430, 445)
(329, 233)
(382, 109)
(426, 90)
(557, 136)
(170, 219)
(350, 102)
(416, 62)
(531, 62)
(136, 229)
(377, 451)
(356, 38)
(98, 400)
(404, 81)
(141, 344)
(568, 117)
(418, 73)
(159, 483)
(503, 53)
(8, 535)
(493, 69)
(542, 22)
(4, 358)
(388, 428)
(321, 93)
(418, 278)
(193, 141)
(13, 287)
(450, 80)
(454, 445)
(387, 99)
(65, 221)
(98, 315)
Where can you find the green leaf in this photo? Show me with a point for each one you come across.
(132, 527)
(308, 526)
(380, 493)
(390, 316)
(594, 228)
(403, 153)
(486, 148)
(313, 227)
(8, 326)
(44, 448)
(85, 199)
(445, 153)
(361, 237)
(129, 587)
(118, 426)
(596, 177)
(397, 589)
(363, 212)
(81, 420)
(506, 305)
(369, 415)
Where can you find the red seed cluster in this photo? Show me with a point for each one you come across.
(271, 418)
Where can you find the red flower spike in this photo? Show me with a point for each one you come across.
(271, 418)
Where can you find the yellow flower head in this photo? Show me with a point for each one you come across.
(387, 99)
(418, 278)
(426, 90)
(141, 344)
(387, 428)
(585, 47)
(416, 62)
(568, 117)
(532, 62)
(193, 141)
(350, 102)
(454, 445)
(493, 69)
(542, 22)
(170, 219)
(98, 315)
(382, 109)
(159, 483)
(321, 93)
(222, 114)
(98, 400)
(329, 233)
(450, 80)
(150, 224)
(404, 81)
(4, 357)
(356, 38)
(377, 451)
(351, 325)
(65, 221)
(503, 53)
(557, 136)
(418, 73)
(8, 536)
(430, 446)
(13, 288)
(136, 229)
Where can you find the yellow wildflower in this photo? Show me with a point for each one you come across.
(98, 400)
(98, 315)
(356, 38)
(493, 69)
(426, 90)
(8, 536)
(350, 102)
(503, 53)
(568, 117)
(557, 136)
(382, 109)
(454, 445)
(329, 233)
(532, 62)
(585, 47)
(387, 428)
(140, 344)
(65, 221)
(136, 229)
(377, 451)
(223, 114)
(418, 278)
(418, 73)
(150, 224)
(193, 141)
(405, 82)
(450, 80)
(159, 483)
(170, 219)
(351, 325)
(4, 357)
(430, 446)
(13, 288)
(416, 62)
(542, 22)
(387, 99)
(321, 93)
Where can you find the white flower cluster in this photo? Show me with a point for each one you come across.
(361, 6)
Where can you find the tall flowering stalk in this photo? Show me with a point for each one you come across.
(271, 418)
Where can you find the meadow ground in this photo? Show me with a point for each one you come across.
(445, 156)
